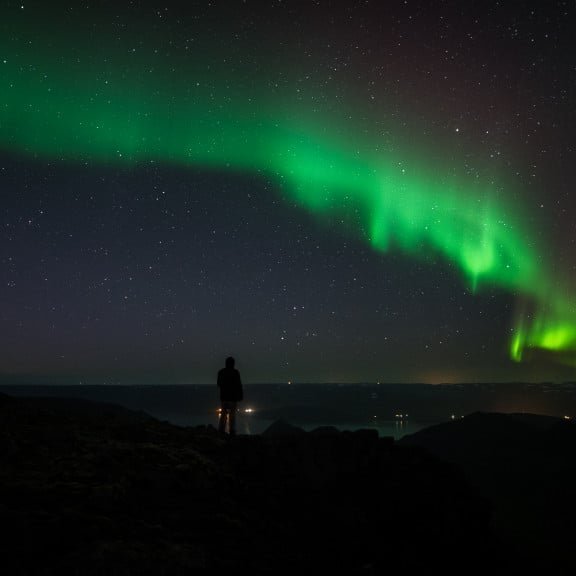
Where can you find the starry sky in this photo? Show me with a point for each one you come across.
(328, 191)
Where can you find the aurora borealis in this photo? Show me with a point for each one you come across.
(121, 92)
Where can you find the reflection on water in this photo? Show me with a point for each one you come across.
(251, 424)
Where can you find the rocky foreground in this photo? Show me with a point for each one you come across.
(525, 466)
(89, 488)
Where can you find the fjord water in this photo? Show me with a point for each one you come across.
(392, 409)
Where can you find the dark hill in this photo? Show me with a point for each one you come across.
(525, 465)
(87, 489)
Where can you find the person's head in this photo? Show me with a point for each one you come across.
(230, 362)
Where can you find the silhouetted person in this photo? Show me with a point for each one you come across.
(230, 394)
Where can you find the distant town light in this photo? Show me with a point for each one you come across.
(567, 418)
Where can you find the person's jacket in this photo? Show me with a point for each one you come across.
(230, 385)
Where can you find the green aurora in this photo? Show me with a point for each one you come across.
(100, 107)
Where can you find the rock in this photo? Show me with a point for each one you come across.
(90, 489)
(326, 431)
(282, 428)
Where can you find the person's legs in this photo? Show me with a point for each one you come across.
(232, 417)
(223, 418)
(227, 415)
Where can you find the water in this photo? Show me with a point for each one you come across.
(392, 409)
(349, 407)
(252, 424)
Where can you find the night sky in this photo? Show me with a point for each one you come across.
(328, 191)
